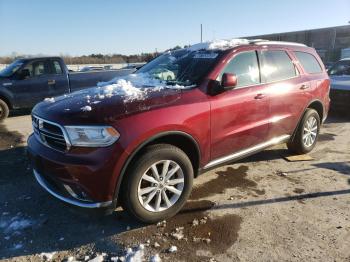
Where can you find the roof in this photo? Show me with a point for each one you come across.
(223, 44)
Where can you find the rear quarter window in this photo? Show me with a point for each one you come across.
(308, 62)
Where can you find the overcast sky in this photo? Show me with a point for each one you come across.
(83, 27)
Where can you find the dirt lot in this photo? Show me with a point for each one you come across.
(263, 208)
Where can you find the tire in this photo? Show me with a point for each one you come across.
(300, 144)
(158, 157)
(4, 110)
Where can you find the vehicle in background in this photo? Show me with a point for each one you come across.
(142, 141)
(163, 74)
(91, 68)
(28, 81)
(329, 65)
(134, 66)
(339, 74)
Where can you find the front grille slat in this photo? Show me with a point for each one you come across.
(50, 134)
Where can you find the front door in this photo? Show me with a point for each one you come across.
(34, 87)
(240, 117)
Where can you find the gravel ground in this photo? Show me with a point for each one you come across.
(263, 208)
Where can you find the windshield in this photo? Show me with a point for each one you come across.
(182, 67)
(11, 68)
(340, 68)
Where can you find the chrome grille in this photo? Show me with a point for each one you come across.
(49, 133)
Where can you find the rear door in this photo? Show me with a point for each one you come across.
(239, 117)
(34, 87)
(58, 83)
(288, 91)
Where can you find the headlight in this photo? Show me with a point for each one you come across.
(92, 136)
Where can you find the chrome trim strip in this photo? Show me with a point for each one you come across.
(64, 132)
(244, 152)
(42, 182)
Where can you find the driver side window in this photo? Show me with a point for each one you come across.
(34, 69)
(245, 67)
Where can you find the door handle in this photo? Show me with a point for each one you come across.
(51, 82)
(259, 96)
(303, 87)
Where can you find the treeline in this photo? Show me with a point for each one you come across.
(96, 58)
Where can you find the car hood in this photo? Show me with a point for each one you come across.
(103, 105)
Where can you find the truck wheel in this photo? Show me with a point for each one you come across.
(306, 136)
(4, 110)
(159, 183)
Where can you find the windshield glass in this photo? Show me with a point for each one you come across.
(340, 68)
(181, 67)
(11, 69)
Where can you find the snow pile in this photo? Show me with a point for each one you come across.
(155, 258)
(86, 108)
(219, 44)
(135, 256)
(47, 256)
(49, 99)
(133, 86)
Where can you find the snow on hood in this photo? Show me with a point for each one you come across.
(219, 44)
(133, 87)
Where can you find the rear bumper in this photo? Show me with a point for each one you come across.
(75, 202)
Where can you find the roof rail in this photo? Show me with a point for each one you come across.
(267, 42)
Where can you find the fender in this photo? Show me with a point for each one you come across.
(140, 146)
(302, 115)
(7, 97)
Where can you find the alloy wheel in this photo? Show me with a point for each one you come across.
(310, 131)
(161, 186)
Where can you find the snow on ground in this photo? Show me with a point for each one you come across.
(218, 44)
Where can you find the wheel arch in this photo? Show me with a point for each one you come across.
(314, 104)
(6, 100)
(176, 138)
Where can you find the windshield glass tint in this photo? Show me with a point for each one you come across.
(182, 67)
(11, 69)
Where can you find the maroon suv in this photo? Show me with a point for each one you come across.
(141, 140)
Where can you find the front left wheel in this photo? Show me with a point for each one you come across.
(158, 184)
(4, 110)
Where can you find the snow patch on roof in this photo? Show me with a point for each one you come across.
(219, 44)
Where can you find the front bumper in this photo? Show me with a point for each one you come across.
(83, 177)
(75, 202)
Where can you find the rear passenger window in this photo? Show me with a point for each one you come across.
(309, 62)
(57, 68)
(277, 66)
(245, 67)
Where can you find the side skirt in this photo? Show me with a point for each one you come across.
(246, 152)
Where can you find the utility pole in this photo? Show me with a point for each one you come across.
(201, 33)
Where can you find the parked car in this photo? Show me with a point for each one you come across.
(163, 74)
(143, 147)
(340, 84)
(91, 68)
(28, 81)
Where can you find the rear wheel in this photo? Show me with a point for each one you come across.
(4, 110)
(159, 183)
(306, 136)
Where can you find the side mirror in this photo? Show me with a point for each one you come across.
(228, 81)
(24, 74)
